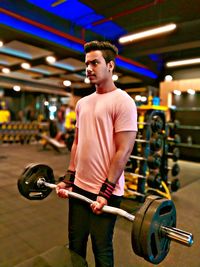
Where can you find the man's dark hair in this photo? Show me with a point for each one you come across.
(109, 50)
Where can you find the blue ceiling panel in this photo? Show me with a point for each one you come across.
(41, 33)
(81, 15)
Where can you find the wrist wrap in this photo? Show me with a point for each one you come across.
(106, 189)
(68, 178)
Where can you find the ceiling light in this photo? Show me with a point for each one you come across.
(177, 92)
(1, 43)
(51, 59)
(168, 78)
(138, 98)
(115, 77)
(5, 70)
(25, 65)
(148, 33)
(143, 98)
(67, 83)
(191, 91)
(16, 88)
(183, 62)
(87, 80)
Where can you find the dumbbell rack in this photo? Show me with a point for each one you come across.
(144, 173)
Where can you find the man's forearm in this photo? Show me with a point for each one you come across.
(117, 165)
(72, 157)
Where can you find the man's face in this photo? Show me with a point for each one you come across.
(96, 68)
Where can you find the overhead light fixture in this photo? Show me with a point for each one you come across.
(51, 59)
(183, 62)
(148, 33)
(67, 83)
(168, 78)
(16, 88)
(115, 77)
(87, 80)
(1, 43)
(25, 65)
(191, 91)
(6, 70)
(177, 92)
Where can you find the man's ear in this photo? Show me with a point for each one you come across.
(111, 65)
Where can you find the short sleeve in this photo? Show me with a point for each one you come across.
(126, 115)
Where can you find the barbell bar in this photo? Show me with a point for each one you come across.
(153, 224)
(153, 161)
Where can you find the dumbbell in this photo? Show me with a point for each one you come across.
(173, 124)
(156, 123)
(175, 154)
(153, 180)
(175, 169)
(155, 142)
(176, 139)
(175, 184)
(153, 161)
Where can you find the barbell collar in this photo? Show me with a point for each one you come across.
(172, 233)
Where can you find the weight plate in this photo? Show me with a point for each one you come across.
(137, 224)
(27, 183)
(155, 245)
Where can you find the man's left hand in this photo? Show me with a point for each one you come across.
(98, 205)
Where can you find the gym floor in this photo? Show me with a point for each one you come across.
(29, 228)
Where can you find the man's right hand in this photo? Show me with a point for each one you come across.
(61, 190)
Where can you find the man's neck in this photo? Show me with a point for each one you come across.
(106, 88)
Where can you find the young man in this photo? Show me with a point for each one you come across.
(106, 128)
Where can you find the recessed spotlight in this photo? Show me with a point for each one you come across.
(67, 83)
(87, 80)
(5, 70)
(16, 88)
(138, 98)
(143, 98)
(1, 43)
(177, 92)
(51, 59)
(115, 77)
(191, 91)
(168, 78)
(25, 65)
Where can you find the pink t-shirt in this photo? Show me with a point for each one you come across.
(99, 116)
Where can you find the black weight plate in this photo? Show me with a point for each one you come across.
(27, 183)
(155, 245)
(137, 224)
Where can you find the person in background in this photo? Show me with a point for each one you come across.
(106, 127)
(5, 115)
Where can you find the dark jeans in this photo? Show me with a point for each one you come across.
(83, 222)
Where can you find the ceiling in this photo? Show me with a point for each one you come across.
(31, 30)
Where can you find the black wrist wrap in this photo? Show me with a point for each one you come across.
(68, 178)
(106, 189)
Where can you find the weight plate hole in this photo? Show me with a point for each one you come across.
(165, 210)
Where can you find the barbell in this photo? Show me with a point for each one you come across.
(153, 225)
